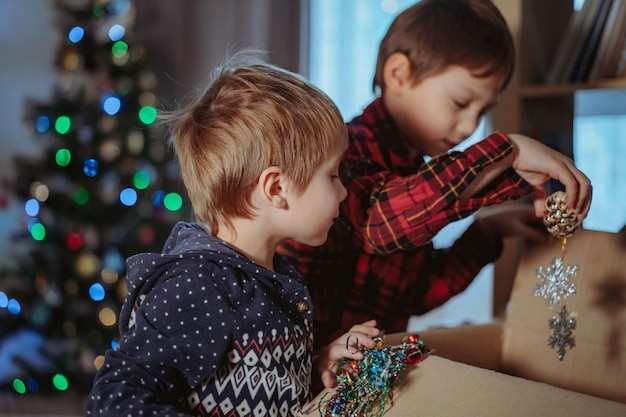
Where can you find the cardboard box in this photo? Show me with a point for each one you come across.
(508, 369)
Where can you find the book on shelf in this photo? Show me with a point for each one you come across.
(570, 42)
(592, 46)
(587, 52)
(616, 63)
(611, 45)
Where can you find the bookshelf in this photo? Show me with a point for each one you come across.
(531, 107)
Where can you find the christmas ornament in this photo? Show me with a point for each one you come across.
(558, 219)
(365, 388)
(556, 284)
(562, 328)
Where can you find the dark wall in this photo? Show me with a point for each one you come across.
(187, 39)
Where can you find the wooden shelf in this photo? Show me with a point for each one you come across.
(528, 105)
(546, 91)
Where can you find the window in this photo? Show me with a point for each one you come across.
(599, 151)
(344, 43)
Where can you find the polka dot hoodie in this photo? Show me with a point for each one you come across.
(206, 332)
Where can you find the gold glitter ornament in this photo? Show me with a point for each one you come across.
(558, 219)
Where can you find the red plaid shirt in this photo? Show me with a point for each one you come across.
(378, 261)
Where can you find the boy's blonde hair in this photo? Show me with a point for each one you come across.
(252, 116)
(435, 34)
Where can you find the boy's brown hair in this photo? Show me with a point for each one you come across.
(252, 116)
(435, 34)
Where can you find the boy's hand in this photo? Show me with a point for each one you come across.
(512, 219)
(346, 346)
(536, 163)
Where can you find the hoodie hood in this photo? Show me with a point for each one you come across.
(188, 240)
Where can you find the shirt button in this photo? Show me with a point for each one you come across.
(309, 344)
(302, 306)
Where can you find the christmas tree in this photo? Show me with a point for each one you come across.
(104, 187)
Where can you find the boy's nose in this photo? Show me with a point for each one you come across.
(344, 192)
(467, 126)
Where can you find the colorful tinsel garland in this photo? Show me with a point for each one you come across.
(365, 388)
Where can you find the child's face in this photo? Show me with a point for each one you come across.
(317, 207)
(444, 109)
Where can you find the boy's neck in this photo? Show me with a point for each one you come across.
(251, 241)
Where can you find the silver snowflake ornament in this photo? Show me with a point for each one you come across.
(556, 284)
(562, 328)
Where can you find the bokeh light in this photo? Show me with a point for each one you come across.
(111, 105)
(110, 149)
(90, 168)
(4, 299)
(40, 315)
(173, 201)
(32, 385)
(148, 80)
(135, 142)
(116, 32)
(60, 382)
(62, 125)
(97, 292)
(157, 198)
(107, 317)
(141, 180)
(147, 114)
(119, 49)
(70, 60)
(38, 231)
(31, 207)
(14, 306)
(42, 124)
(81, 196)
(109, 276)
(74, 241)
(128, 197)
(147, 99)
(113, 260)
(63, 157)
(87, 265)
(98, 362)
(146, 235)
(19, 386)
(39, 191)
(76, 34)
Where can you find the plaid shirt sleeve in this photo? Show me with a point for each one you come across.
(379, 261)
(399, 213)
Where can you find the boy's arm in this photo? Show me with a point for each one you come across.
(396, 213)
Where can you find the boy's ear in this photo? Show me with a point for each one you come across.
(272, 185)
(397, 72)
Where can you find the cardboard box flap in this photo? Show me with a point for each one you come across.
(596, 365)
(472, 345)
(441, 387)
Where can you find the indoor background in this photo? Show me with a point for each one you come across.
(333, 43)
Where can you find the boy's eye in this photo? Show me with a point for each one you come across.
(460, 104)
(334, 177)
